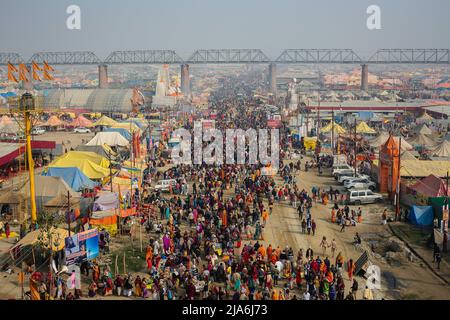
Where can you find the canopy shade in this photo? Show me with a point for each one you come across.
(109, 138)
(362, 127)
(81, 121)
(384, 136)
(91, 164)
(431, 186)
(337, 128)
(105, 121)
(54, 121)
(422, 140)
(442, 149)
(424, 129)
(73, 176)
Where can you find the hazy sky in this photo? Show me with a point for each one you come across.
(28, 26)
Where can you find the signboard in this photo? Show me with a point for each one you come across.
(81, 247)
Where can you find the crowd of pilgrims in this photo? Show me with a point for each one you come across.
(198, 249)
(207, 243)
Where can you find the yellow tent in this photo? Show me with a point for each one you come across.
(132, 127)
(337, 128)
(91, 164)
(105, 121)
(362, 127)
(310, 143)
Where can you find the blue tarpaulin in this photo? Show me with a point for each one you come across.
(76, 179)
(124, 132)
(422, 215)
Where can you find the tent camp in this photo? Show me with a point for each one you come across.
(81, 121)
(442, 150)
(430, 186)
(423, 129)
(91, 164)
(46, 188)
(421, 215)
(109, 138)
(337, 128)
(363, 128)
(76, 179)
(104, 121)
(422, 140)
(124, 132)
(383, 137)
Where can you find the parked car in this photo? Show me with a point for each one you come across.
(82, 130)
(339, 168)
(346, 173)
(164, 185)
(360, 184)
(343, 178)
(363, 196)
(37, 131)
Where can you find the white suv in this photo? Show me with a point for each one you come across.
(361, 196)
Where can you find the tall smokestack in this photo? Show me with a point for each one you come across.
(185, 81)
(103, 76)
(364, 77)
(273, 78)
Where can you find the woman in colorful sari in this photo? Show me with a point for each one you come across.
(350, 269)
(138, 287)
(95, 272)
(34, 287)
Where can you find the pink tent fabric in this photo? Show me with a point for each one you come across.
(81, 121)
(53, 121)
(430, 186)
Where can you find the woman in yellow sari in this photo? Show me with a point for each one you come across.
(34, 289)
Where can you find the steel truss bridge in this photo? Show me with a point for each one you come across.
(237, 56)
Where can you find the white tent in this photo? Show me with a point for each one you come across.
(111, 139)
(423, 129)
(422, 140)
(442, 150)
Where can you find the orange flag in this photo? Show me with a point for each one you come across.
(48, 67)
(11, 70)
(35, 69)
(47, 76)
(23, 72)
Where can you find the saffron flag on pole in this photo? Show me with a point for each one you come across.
(35, 69)
(11, 70)
(23, 72)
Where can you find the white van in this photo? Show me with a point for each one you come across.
(164, 185)
(361, 196)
